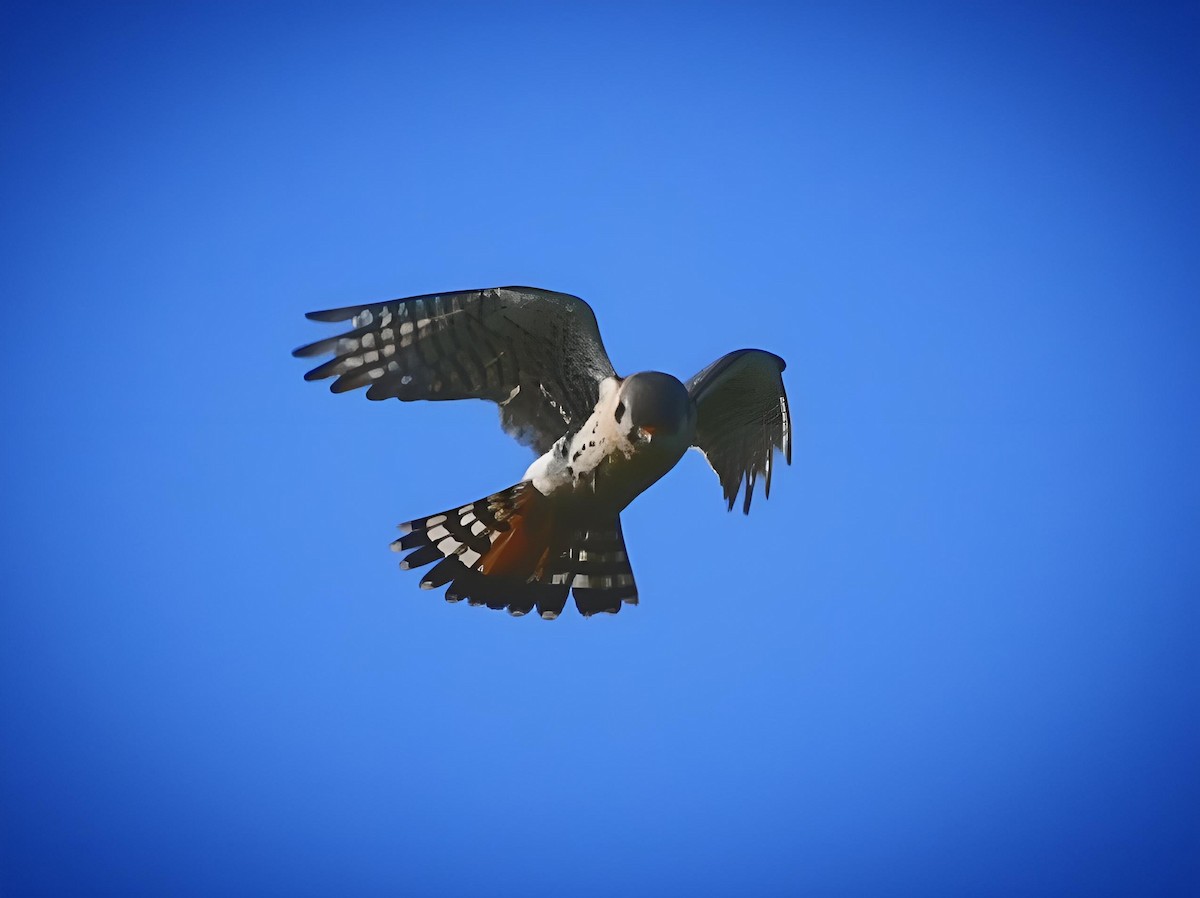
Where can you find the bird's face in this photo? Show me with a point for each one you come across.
(652, 406)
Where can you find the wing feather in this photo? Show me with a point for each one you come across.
(742, 418)
(535, 353)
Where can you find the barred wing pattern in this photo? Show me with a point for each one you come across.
(742, 418)
(535, 353)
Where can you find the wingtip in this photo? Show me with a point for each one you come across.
(305, 351)
(332, 315)
(317, 347)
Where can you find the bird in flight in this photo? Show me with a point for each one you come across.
(601, 439)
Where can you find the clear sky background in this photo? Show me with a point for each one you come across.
(954, 654)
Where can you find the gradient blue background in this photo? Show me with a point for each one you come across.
(954, 654)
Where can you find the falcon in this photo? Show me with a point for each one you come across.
(601, 439)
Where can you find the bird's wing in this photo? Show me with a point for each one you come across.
(742, 417)
(535, 353)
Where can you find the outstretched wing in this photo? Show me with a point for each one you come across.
(742, 418)
(535, 353)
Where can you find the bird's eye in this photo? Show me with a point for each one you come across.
(620, 411)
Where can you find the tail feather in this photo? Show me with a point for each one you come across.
(445, 571)
(603, 577)
(426, 554)
(509, 551)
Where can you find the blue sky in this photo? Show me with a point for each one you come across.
(953, 654)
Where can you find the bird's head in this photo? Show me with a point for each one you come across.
(652, 405)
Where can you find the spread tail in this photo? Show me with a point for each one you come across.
(512, 550)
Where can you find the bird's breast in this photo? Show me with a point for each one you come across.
(603, 469)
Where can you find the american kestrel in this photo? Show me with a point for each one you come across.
(601, 439)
